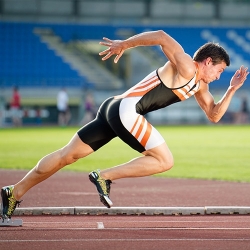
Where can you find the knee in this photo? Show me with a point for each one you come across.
(68, 157)
(166, 163)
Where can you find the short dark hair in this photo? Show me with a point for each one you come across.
(213, 50)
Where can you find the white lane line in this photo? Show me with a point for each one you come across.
(108, 239)
(100, 225)
(141, 222)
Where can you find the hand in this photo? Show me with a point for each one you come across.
(115, 48)
(239, 77)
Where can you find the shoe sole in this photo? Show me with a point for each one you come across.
(106, 201)
(103, 198)
(1, 211)
(1, 208)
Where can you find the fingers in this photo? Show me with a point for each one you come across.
(108, 43)
(104, 52)
(242, 72)
(118, 57)
(106, 39)
(105, 44)
(110, 54)
(107, 56)
(113, 49)
(243, 69)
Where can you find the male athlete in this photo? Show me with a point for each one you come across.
(180, 78)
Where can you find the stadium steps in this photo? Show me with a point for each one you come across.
(151, 54)
(79, 60)
(154, 55)
(92, 68)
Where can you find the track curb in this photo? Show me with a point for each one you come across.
(206, 210)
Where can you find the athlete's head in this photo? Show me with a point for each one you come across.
(213, 50)
(213, 59)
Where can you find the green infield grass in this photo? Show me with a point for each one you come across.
(204, 152)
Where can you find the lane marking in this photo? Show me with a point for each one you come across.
(136, 228)
(138, 221)
(100, 225)
(108, 239)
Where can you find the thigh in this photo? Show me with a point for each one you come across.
(160, 152)
(96, 133)
(139, 130)
(76, 148)
(111, 111)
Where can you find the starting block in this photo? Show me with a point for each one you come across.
(6, 222)
(11, 223)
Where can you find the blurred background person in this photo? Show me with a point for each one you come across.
(243, 114)
(63, 108)
(89, 109)
(15, 108)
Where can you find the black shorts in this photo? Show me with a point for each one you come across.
(106, 126)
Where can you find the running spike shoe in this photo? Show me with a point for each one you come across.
(9, 203)
(102, 186)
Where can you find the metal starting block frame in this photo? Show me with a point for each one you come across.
(6, 222)
(11, 223)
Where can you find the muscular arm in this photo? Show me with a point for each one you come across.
(170, 47)
(215, 111)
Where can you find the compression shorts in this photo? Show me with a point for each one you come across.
(118, 117)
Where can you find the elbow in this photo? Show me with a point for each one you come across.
(161, 32)
(162, 35)
(214, 119)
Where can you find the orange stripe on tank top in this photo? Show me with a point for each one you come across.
(148, 84)
(136, 91)
(185, 89)
(181, 96)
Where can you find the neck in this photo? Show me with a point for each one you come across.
(197, 71)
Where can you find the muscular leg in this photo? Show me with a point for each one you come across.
(51, 163)
(156, 160)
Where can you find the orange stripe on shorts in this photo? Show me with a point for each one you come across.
(146, 135)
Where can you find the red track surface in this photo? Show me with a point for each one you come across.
(129, 232)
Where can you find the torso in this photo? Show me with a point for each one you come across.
(152, 93)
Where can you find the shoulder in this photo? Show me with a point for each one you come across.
(203, 91)
(203, 86)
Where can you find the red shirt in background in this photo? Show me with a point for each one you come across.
(16, 100)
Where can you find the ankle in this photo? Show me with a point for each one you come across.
(105, 177)
(16, 193)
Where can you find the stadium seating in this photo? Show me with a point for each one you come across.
(27, 61)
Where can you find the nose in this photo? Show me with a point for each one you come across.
(218, 77)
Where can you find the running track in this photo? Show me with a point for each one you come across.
(136, 232)
(129, 232)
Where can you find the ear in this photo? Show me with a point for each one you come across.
(208, 61)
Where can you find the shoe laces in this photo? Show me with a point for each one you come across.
(108, 182)
(103, 185)
(12, 205)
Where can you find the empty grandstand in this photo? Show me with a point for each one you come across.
(42, 52)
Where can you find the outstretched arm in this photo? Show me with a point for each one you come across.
(215, 111)
(170, 47)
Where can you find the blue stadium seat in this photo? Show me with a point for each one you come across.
(26, 60)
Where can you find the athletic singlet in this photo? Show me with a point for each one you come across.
(156, 95)
(123, 115)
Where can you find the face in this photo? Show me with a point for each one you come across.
(212, 72)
